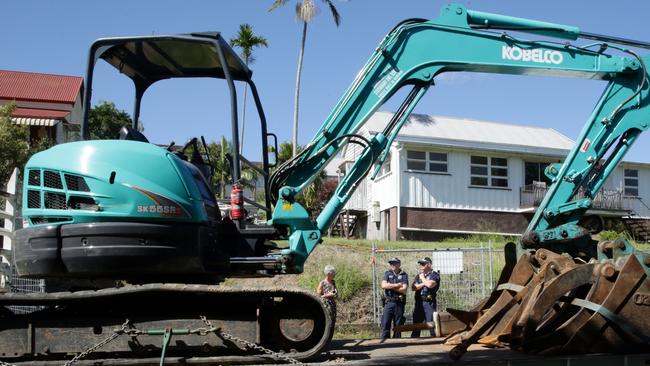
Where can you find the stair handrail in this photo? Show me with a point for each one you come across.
(643, 203)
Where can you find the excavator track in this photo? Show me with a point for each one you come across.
(197, 324)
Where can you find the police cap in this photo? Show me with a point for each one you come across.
(424, 260)
(394, 260)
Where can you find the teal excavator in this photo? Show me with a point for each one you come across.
(142, 214)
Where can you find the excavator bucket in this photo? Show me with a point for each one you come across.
(470, 317)
(553, 304)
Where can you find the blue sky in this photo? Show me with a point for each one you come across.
(53, 37)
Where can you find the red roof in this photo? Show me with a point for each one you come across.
(39, 113)
(33, 87)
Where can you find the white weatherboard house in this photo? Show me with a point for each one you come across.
(449, 176)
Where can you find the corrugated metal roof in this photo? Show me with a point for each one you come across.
(466, 132)
(28, 86)
(39, 113)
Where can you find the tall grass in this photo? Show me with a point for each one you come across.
(350, 278)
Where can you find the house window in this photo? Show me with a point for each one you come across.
(631, 177)
(489, 172)
(385, 167)
(534, 172)
(426, 161)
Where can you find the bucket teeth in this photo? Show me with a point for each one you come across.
(552, 304)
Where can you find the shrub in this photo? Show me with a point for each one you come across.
(349, 278)
(613, 235)
(609, 235)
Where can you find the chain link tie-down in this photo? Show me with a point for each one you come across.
(250, 345)
(109, 339)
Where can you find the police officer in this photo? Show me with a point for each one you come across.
(394, 284)
(425, 285)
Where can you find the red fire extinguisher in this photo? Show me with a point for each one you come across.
(236, 202)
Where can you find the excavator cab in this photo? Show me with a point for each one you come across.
(130, 209)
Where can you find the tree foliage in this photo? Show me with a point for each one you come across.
(313, 197)
(15, 147)
(222, 169)
(327, 189)
(14, 144)
(246, 40)
(105, 121)
(285, 152)
(219, 156)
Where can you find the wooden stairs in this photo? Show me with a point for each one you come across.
(346, 223)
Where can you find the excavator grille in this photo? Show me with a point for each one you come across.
(76, 183)
(52, 179)
(33, 199)
(55, 201)
(55, 195)
(34, 178)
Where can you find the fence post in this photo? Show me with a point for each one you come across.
(491, 259)
(482, 271)
(374, 284)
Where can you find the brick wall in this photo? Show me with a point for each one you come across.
(463, 220)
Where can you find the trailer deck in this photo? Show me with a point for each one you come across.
(427, 351)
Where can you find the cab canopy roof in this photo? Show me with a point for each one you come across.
(147, 59)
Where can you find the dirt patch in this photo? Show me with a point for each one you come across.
(356, 310)
(283, 281)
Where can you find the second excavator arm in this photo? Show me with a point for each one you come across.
(412, 55)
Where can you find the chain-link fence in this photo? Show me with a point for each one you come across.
(467, 275)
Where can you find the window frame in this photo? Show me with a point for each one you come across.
(541, 176)
(631, 178)
(387, 164)
(489, 175)
(428, 161)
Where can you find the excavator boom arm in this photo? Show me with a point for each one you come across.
(413, 54)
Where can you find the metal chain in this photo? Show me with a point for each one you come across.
(202, 331)
(101, 344)
(251, 345)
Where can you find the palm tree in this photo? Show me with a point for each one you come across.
(219, 156)
(247, 40)
(305, 11)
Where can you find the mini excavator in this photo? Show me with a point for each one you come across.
(132, 211)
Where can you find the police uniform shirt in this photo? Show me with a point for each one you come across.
(424, 291)
(391, 277)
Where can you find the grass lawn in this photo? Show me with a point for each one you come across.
(472, 242)
(364, 244)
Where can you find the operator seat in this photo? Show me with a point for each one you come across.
(128, 133)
